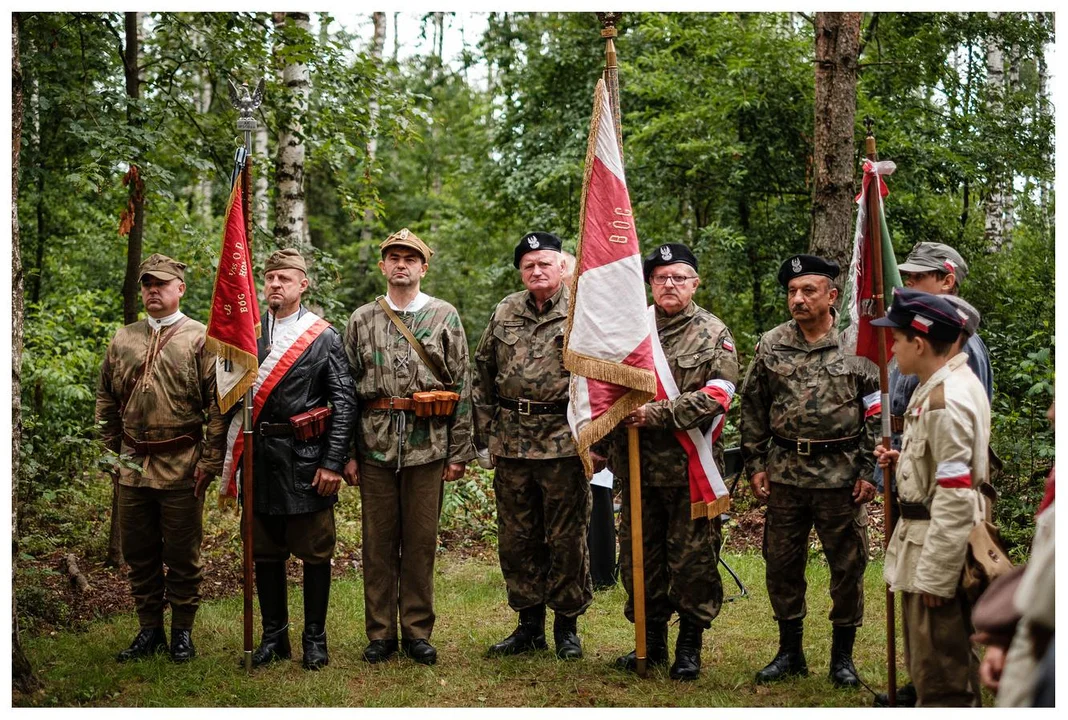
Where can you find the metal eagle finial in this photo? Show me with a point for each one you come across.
(609, 20)
(246, 103)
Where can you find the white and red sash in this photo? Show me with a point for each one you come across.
(709, 497)
(284, 352)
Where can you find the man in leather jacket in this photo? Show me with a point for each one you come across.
(297, 459)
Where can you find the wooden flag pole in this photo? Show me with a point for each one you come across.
(874, 199)
(611, 78)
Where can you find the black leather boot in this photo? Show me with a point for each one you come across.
(182, 649)
(420, 650)
(565, 633)
(380, 650)
(149, 641)
(655, 648)
(687, 664)
(843, 673)
(316, 597)
(905, 697)
(529, 634)
(271, 590)
(791, 657)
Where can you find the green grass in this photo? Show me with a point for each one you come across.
(78, 669)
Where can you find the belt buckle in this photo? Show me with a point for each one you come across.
(260, 430)
(806, 444)
(520, 404)
(392, 400)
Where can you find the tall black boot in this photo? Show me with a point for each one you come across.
(565, 633)
(655, 648)
(271, 590)
(316, 597)
(529, 634)
(687, 664)
(843, 673)
(791, 657)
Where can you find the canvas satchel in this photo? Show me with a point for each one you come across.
(985, 559)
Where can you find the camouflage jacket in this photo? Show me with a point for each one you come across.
(176, 397)
(383, 364)
(698, 348)
(521, 355)
(797, 390)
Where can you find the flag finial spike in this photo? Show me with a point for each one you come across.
(609, 20)
(869, 123)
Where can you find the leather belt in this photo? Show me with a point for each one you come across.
(266, 429)
(913, 511)
(157, 447)
(806, 446)
(390, 403)
(532, 407)
(897, 424)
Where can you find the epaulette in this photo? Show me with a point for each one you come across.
(937, 399)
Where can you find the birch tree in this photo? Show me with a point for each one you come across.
(293, 32)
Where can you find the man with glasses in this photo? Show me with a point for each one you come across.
(809, 421)
(681, 546)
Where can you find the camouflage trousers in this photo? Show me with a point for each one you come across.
(162, 528)
(842, 528)
(941, 660)
(681, 557)
(543, 512)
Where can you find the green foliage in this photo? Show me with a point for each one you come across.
(469, 508)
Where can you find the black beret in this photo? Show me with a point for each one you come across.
(668, 254)
(930, 315)
(806, 265)
(534, 241)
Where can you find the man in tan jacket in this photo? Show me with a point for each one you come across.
(941, 464)
(156, 392)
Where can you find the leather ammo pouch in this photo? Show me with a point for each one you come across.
(310, 425)
(985, 559)
(435, 403)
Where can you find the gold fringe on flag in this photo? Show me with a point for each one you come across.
(710, 510)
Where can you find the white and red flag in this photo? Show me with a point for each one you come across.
(234, 323)
(607, 346)
(858, 337)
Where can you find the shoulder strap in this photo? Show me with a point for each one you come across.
(416, 345)
(937, 398)
(171, 332)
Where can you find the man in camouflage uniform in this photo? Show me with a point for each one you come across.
(404, 458)
(543, 497)
(681, 552)
(156, 392)
(808, 428)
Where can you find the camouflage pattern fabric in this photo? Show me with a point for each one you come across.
(842, 528)
(177, 396)
(520, 355)
(384, 364)
(799, 390)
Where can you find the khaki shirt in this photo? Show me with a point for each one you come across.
(943, 456)
(801, 390)
(521, 355)
(698, 348)
(176, 397)
(383, 364)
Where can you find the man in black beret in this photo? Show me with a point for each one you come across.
(808, 428)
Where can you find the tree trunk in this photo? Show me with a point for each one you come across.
(435, 172)
(134, 215)
(202, 191)
(837, 55)
(396, 37)
(378, 43)
(289, 209)
(262, 155)
(997, 205)
(23, 678)
(1042, 108)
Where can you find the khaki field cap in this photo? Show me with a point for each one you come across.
(406, 238)
(284, 259)
(161, 267)
(928, 256)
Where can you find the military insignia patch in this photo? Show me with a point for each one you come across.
(795, 264)
(728, 345)
(532, 242)
(665, 252)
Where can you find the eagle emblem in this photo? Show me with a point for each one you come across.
(795, 264)
(532, 242)
(665, 253)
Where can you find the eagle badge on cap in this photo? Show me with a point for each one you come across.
(403, 234)
(665, 253)
(533, 243)
(796, 264)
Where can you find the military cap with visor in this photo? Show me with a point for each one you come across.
(406, 238)
(799, 265)
(532, 242)
(668, 254)
(932, 256)
(161, 267)
(969, 313)
(931, 316)
(286, 258)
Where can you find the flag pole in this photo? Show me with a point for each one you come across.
(874, 200)
(247, 123)
(611, 78)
